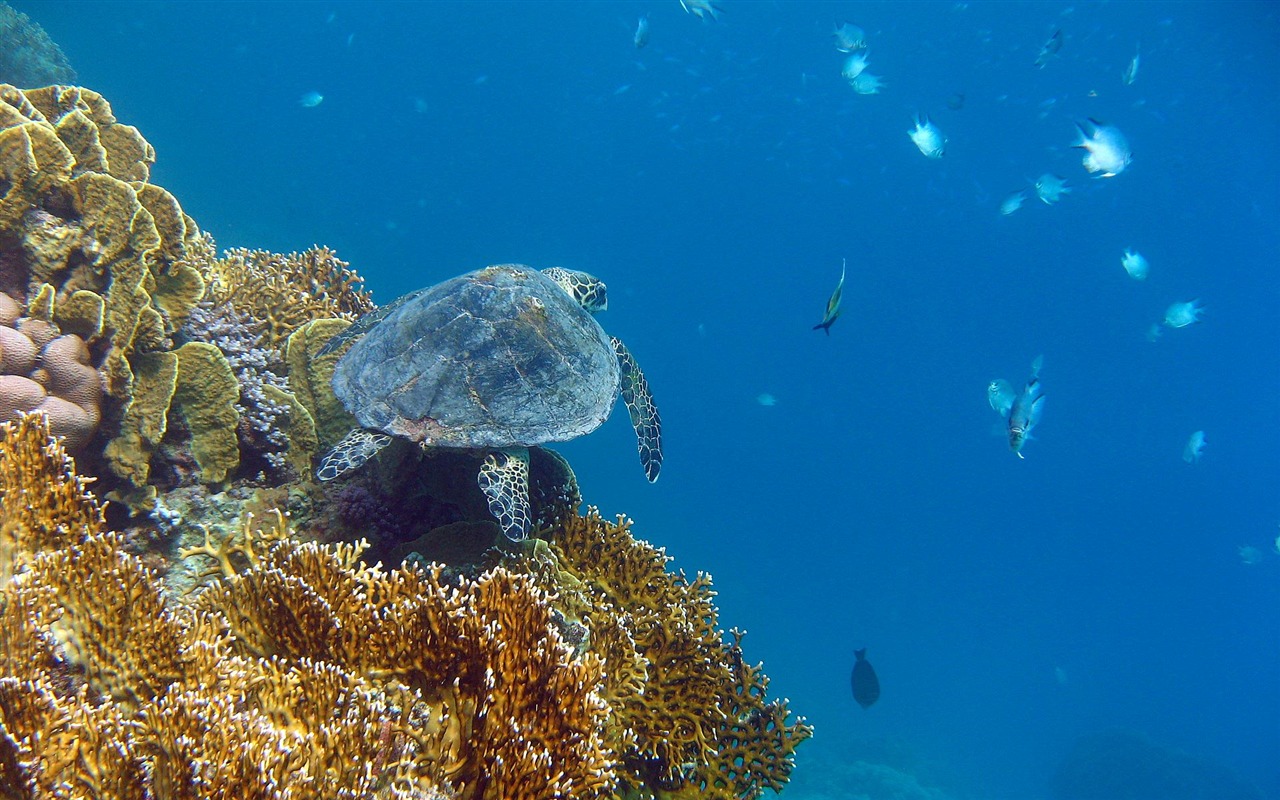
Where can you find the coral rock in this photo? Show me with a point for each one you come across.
(17, 352)
(19, 393)
(72, 423)
(10, 310)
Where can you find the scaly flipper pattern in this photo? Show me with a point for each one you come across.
(504, 479)
(644, 414)
(350, 452)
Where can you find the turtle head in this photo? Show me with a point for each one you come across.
(583, 287)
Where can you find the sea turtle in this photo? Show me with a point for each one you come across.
(496, 360)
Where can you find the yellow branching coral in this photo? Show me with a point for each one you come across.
(695, 721)
(520, 715)
(287, 291)
(44, 504)
(107, 691)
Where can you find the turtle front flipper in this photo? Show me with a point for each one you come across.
(644, 414)
(504, 479)
(350, 452)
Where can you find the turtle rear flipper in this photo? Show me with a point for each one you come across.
(350, 452)
(504, 479)
(644, 414)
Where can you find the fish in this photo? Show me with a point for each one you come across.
(1013, 202)
(767, 400)
(1180, 315)
(1000, 395)
(1131, 72)
(1050, 188)
(1135, 264)
(866, 686)
(702, 9)
(311, 100)
(956, 101)
(928, 138)
(1027, 407)
(1195, 446)
(855, 64)
(850, 38)
(642, 32)
(1108, 151)
(833, 304)
(1049, 49)
(866, 83)
(1249, 554)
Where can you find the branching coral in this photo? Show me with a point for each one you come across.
(299, 673)
(285, 292)
(519, 713)
(689, 717)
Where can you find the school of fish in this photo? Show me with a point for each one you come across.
(1106, 154)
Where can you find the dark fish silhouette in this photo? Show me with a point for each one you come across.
(866, 686)
(1050, 49)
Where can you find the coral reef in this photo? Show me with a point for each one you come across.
(148, 345)
(167, 645)
(28, 57)
(335, 679)
(690, 715)
(285, 292)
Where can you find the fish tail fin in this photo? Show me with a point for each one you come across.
(860, 653)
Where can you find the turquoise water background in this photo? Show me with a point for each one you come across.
(716, 179)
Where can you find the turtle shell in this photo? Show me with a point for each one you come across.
(495, 358)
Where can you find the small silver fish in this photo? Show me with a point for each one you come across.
(1024, 415)
(1106, 150)
(833, 304)
(1049, 49)
(927, 137)
(866, 83)
(311, 100)
(1050, 188)
(1000, 395)
(702, 9)
(1180, 315)
(642, 32)
(1131, 71)
(1135, 264)
(1013, 202)
(850, 38)
(1195, 447)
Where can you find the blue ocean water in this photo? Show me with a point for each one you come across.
(716, 179)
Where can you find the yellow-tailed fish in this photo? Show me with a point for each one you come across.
(833, 305)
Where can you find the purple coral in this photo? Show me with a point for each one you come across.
(254, 362)
(361, 509)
